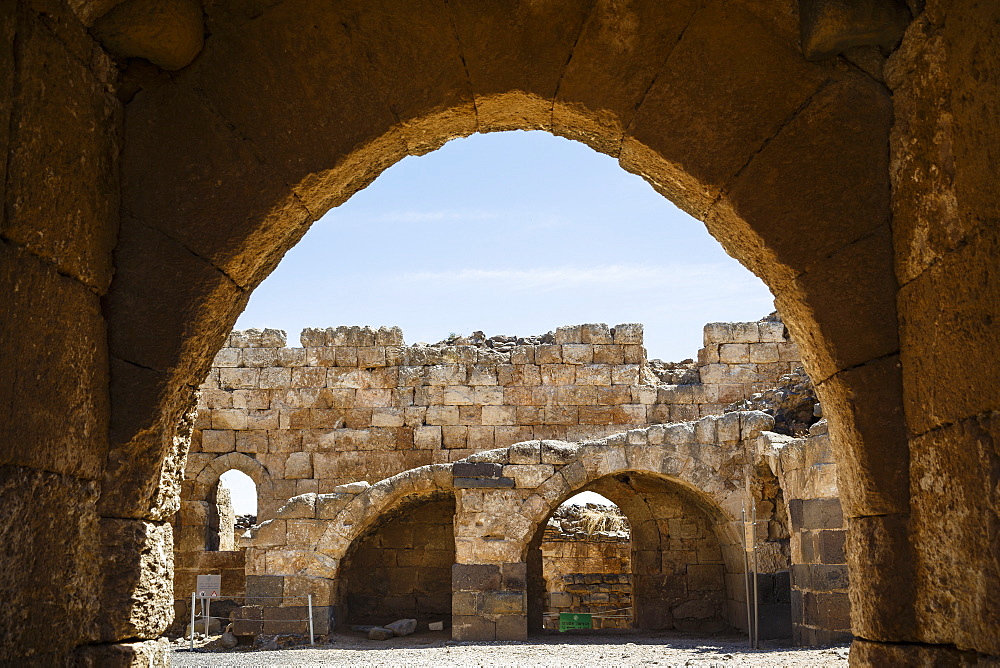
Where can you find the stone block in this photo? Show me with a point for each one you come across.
(633, 354)
(447, 374)
(548, 354)
(239, 379)
(482, 375)
(625, 374)
(461, 483)
(609, 354)
(499, 415)
(502, 602)
(594, 374)
(764, 353)
(269, 534)
(298, 465)
(512, 627)
(475, 577)
(568, 334)
(481, 438)
(771, 332)
(734, 353)
(705, 577)
(442, 415)
(882, 596)
(254, 441)
(581, 353)
(528, 475)
(454, 436)
(522, 355)
(525, 453)
(558, 374)
(472, 627)
(476, 470)
(458, 395)
(216, 440)
(627, 333)
(817, 514)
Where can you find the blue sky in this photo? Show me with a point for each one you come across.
(508, 233)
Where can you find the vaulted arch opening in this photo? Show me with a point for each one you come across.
(219, 185)
(400, 567)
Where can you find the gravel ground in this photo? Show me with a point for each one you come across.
(434, 649)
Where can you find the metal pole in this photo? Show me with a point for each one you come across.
(311, 637)
(756, 611)
(193, 603)
(746, 573)
(208, 614)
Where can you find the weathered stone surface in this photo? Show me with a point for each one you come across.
(797, 175)
(954, 526)
(168, 33)
(380, 633)
(137, 567)
(830, 27)
(52, 534)
(402, 627)
(152, 653)
(867, 653)
(874, 546)
(52, 325)
(62, 164)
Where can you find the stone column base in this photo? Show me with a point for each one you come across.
(867, 653)
(143, 654)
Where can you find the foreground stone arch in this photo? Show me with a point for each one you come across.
(140, 213)
(222, 184)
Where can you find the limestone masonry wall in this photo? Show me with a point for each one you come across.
(821, 610)
(357, 403)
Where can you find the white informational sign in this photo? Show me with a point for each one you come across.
(209, 586)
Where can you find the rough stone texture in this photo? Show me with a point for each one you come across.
(402, 568)
(149, 653)
(831, 27)
(807, 471)
(223, 165)
(684, 530)
(946, 241)
(587, 571)
(355, 403)
(137, 567)
(52, 534)
(168, 33)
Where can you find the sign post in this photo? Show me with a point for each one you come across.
(575, 620)
(208, 588)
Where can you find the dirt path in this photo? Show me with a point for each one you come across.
(434, 649)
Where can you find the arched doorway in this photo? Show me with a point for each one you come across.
(400, 568)
(752, 179)
(686, 569)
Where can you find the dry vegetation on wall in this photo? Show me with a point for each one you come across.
(590, 519)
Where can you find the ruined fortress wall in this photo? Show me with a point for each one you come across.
(357, 403)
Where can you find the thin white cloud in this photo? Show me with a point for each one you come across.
(614, 276)
(439, 216)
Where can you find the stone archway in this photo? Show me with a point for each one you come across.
(681, 555)
(124, 277)
(219, 186)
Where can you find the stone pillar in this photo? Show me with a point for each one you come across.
(489, 601)
(489, 578)
(821, 609)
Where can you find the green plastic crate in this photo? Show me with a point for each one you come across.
(575, 620)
